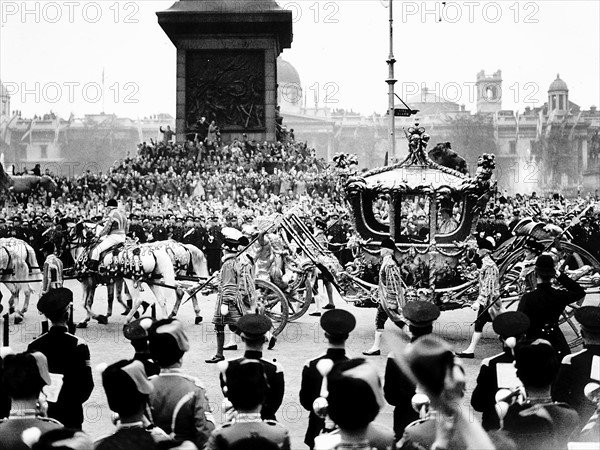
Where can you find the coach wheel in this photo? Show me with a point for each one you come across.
(576, 259)
(301, 296)
(275, 304)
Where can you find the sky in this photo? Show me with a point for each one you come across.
(53, 54)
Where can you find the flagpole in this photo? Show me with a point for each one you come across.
(103, 92)
(391, 81)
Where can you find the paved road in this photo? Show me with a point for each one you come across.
(300, 341)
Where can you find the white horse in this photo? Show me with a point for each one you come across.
(18, 264)
(136, 265)
(189, 261)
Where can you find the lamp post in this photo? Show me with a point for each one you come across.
(391, 81)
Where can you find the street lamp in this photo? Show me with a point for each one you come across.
(391, 81)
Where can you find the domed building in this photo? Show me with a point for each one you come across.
(289, 87)
(558, 96)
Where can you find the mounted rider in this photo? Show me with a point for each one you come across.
(113, 233)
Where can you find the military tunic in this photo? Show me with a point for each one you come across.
(275, 380)
(12, 428)
(483, 398)
(399, 390)
(310, 390)
(70, 356)
(574, 374)
(180, 407)
(248, 426)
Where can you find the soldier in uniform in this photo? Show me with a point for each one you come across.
(25, 374)
(137, 334)
(178, 401)
(177, 229)
(159, 233)
(337, 324)
(545, 305)
(193, 234)
(538, 422)
(127, 390)
(113, 233)
(67, 356)
(390, 292)
(487, 304)
(398, 388)
(511, 327)
(253, 329)
(354, 399)
(577, 370)
(136, 230)
(247, 388)
(214, 240)
(52, 273)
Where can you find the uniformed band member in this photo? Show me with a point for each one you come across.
(127, 390)
(576, 370)
(511, 327)
(489, 293)
(545, 305)
(52, 275)
(247, 388)
(68, 356)
(390, 292)
(354, 399)
(178, 401)
(228, 308)
(398, 388)
(25, 374)
(253, 329)
(137, 333)
(337, 325)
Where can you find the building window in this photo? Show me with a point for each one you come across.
(43, 152)
(561, 104)
(554, 102)
(512, 149)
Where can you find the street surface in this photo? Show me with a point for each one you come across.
(300, 341)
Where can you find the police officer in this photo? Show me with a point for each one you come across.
(398, 388)
(67, 356)
(545, 304)
(246, 390)
(576, 370)
(253, 329)
(137, 334)
(337, 325)
(511, 327)
(3, 228)
(177, 229)
(24, 377)
(178, 401)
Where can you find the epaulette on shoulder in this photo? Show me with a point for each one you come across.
(486, 361)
